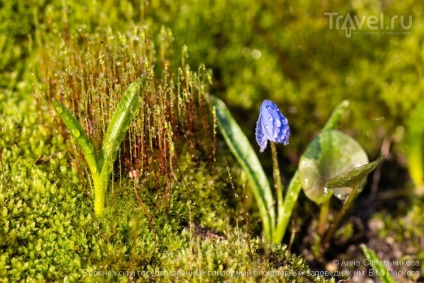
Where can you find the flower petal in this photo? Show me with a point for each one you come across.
(260, 136)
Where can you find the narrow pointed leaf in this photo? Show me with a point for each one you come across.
(79, 135)
(248, 160)
(354, 177)
(118, 125)
(349, 180)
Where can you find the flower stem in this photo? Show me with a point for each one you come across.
(277, 182)
(325, 207)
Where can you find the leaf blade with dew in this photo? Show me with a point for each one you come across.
(118, 125)
(377, 265)
(248, 160)
(353, 177)
(79, 135)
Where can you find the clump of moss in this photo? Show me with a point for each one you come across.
(163, 244)
(42, 234)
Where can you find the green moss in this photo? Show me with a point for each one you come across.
(403, 229)
(42, 234)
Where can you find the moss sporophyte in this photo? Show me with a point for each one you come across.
(101, 165)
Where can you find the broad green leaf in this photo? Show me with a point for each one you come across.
(353, 177)
(79, 135)
(247, 158)
(377, 265)
(330, 154)
(118, 125)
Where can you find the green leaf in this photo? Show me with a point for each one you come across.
(335, 116)
(349, 180)
(118, 125)
(353, 177)
(247, 158)
(330, 154)
(377, 265)
(79, 135)
(415, 143)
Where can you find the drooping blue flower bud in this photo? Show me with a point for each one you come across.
(271, 125)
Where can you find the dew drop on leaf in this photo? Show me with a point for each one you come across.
(90, 148)
(76, 133)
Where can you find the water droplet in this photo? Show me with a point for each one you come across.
(90, 148)
(76, 133)
(106, 145)
(236, 195)
(342, 193)
(59, 109)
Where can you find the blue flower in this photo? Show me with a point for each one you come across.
(271, 125)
